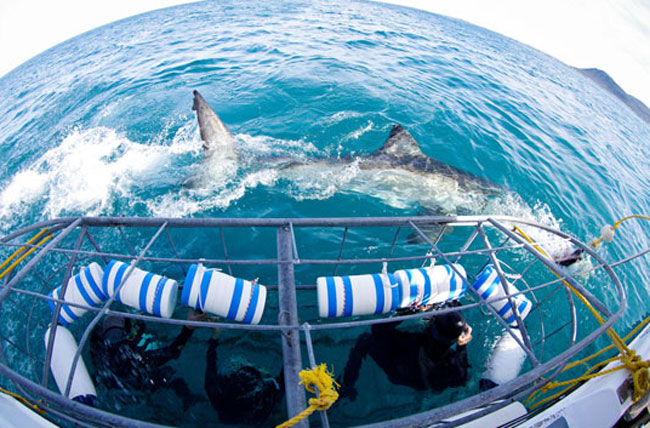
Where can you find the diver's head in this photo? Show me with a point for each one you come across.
(447, 328)
(246, 396)
(116, 329)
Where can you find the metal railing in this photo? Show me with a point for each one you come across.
(475, 240)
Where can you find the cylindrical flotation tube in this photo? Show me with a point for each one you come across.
(434, 284)
(220, 294)
(83, 289)
(488, 285)
(358, 294)
(343, 296)
(148, 292)
(64, 349)
(505, 362)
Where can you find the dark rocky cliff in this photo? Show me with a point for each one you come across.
(603, 80)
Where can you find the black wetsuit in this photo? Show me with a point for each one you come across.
(413, 359)
(127, 363)
(244, 396)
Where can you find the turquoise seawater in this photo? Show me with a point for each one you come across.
(102, 124)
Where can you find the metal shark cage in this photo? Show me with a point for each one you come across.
(302, 249)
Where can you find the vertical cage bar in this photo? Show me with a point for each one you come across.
(435, 243)
(312, 363)
(57, 309)
(504, 284)
(288, 316)
(94, 243)
(345, 235)
(225, 249)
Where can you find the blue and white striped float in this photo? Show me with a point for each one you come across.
(358, 295)
(488, 285)
(434, 284)
(381, 293)
(148, 292)
(217, 293)
(83, 289)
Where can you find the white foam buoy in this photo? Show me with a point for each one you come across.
(488, 285)
(83, 289)
(64, 349)
(220, 294)
(607, 233)
(506, 360)
(146, 291)
(382, 293)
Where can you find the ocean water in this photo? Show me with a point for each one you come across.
(102, 124)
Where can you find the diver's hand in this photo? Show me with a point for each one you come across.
(423, 308)
(414, 309)
(465, 336)
(193, 315)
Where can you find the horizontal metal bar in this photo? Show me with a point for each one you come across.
(276, 222)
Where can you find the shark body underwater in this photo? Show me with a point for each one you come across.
(399, 173)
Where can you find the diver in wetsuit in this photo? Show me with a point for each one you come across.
(246, 395)
(126, 357)
(421, 360)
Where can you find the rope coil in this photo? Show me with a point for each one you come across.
(318, 378)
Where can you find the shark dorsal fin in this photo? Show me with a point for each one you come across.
(400, 143)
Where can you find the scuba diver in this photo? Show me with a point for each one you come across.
(246, 395)
(421, 360)
(126, 357)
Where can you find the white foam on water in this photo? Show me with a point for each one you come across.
(552, 245)
(319, 181)
(85, 172)
(357, 133)
(265, 149)
(24, 187)
(340, 116)
(209, 196)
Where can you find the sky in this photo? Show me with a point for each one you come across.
(613, 35)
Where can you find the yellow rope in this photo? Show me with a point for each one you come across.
(26, 254)
(637, 367)
(22, 399)
(570, 383)
(316, 378)
(21, 249)
(574, 382)
(596, 242)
